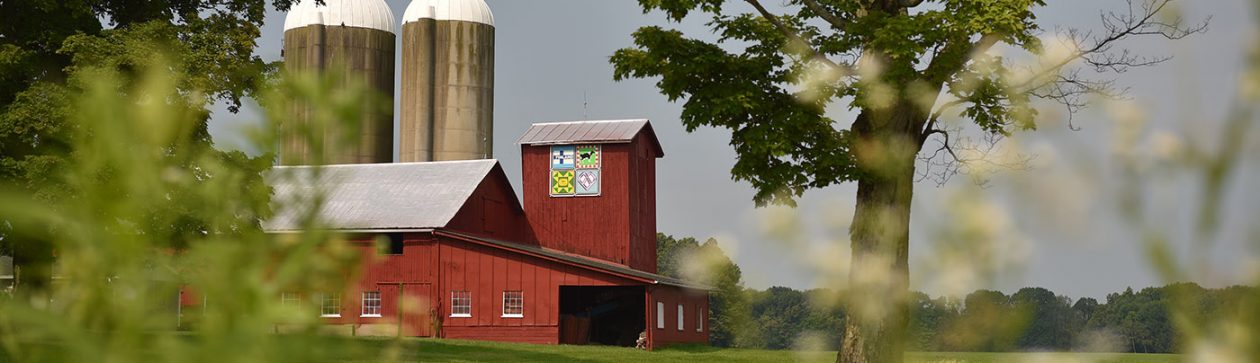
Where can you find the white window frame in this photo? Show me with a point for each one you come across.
(290, 299)
(519, 302)
(461, 310)
(371, 307)
(660, 315)
(699, 319)
(681, 319)
(323, 305)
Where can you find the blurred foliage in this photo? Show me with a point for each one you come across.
(157, 232)
(53, 51)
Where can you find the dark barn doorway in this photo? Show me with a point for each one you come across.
(605, 315)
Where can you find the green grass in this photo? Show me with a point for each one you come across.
(450, 350)
(931, 357)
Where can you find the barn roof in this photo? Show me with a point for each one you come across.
(602, 132)
(576, 260)
(397, 196)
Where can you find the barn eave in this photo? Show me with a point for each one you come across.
(575, 261)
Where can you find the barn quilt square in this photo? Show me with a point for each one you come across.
(587, 182)
(562, 157)
(562, 183)
(588, 157)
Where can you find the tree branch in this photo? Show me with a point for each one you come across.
(1119, 27)
(796, 38)
(822, 12)
(930, 128)
(981, 159)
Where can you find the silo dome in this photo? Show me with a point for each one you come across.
(371, 14)
(462, 10)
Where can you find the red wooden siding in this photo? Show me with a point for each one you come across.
(492, 211)
(618, 226)
(643, 204)
(673, 296)
(598, 227)
(412, 274)
(487, 272)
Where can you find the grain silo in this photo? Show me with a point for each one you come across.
(447, 108)
(357, 38)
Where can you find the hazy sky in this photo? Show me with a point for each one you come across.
(552, 65)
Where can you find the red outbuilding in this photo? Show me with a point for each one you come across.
(574, 264)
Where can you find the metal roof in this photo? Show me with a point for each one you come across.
(371, 14)
(461, 10)
(607, 131)
(578, 260)
(397, 196)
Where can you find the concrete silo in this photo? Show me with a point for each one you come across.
(447, 108)
(357, 38)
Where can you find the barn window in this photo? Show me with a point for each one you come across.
(680, 317)
(371, 304)
(289, 299)
(395, 244)
(330, 306)
(461, 304)
(513, 304)
(660, 315)
(699, 319)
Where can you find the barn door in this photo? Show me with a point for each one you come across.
(412, 305)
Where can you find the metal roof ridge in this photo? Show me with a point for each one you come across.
(587, 121)
(382, 165)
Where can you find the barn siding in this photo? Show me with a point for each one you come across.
(539, 280)
(643, 204)
(672, 296)
(491, 211)
(597, 227)
(415, 268)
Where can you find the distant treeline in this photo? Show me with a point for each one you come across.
(1032, 318)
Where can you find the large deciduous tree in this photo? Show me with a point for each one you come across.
(901, 65)
(49, 48)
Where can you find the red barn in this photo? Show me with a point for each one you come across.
(574, 265)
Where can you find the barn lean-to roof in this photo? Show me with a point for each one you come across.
(379, 197)
(597, 132)
(574, 260)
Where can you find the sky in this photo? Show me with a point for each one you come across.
(1059, 231)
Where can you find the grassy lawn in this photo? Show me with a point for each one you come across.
(449, 350)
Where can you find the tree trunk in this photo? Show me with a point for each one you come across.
(875, 323)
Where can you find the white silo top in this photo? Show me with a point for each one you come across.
(464, 10)
(371, 14)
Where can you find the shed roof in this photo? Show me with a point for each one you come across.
(574, 132)
(397, 196)
(576, 260)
